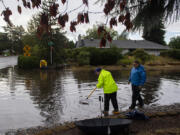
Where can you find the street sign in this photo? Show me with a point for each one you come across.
(26, 49)
(50, 43)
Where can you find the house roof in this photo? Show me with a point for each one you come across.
(125, 44)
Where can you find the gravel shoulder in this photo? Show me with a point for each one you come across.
(164, 120)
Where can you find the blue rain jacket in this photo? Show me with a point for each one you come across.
(137, 76)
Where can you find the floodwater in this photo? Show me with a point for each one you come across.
(31, 98)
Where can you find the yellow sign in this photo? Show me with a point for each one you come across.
(27, 54)
(26, 50)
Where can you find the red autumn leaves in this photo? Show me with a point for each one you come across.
(6, 13)
(113, 21)
(54, 9)
(109, 6)
(44, 25)
(106, 36)
(63, 1)
(124, 19)
(36, 3)
(72, 26)
(85, 2)
(19, 9)
(63, 19)
(122, 5)
(83, 18)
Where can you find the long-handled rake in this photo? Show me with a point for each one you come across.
(85, 101)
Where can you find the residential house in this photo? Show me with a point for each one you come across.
(126, 45)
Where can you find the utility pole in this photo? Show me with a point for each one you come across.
(50, 43)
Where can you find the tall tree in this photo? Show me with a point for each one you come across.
(92, 33)
(5, 43)
(33, 24)
(150, 20)
(155, 34)
(175, 42)
(55, 36)
(15, 34)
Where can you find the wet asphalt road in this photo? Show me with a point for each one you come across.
(8, 61)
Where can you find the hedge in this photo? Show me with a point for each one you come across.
(83, 58)
(28, 62)
(141, 55)
(97, 56)
(173, 53)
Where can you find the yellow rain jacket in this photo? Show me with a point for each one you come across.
(43, 63)
(106, 81)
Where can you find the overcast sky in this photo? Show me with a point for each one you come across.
(17, 19)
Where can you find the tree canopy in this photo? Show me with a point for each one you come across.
(5, 43)
(92, 33)
(116, 11)
(15, 34)
(155, 34)
(175, 42)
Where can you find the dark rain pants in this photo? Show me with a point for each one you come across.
(113, 98)
(136, 96)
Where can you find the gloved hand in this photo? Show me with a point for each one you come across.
(140, 87)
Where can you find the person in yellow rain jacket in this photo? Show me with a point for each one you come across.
(106, 81)
(43, 64)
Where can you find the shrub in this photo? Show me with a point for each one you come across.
(175, 42)
(173, 53)
(142, 55)
(83, 58)
(126, 61)
(40, 52)
(109, 57)
(69, 54)
(97, 56)
(104, 56)
(28, 62)
(75, 53)
(59, 56)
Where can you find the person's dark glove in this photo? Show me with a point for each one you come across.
(140, 88)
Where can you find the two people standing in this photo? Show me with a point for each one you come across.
(105, 80)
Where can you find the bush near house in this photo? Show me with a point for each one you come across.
(97, 56)
(127, 60)
(141, 55)
(83, 58)
(138, 54)
(28, 62)
(173, 53)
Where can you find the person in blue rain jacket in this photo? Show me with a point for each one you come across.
(137, 79)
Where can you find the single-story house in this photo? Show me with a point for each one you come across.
(126, 45)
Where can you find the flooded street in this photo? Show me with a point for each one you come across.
(31, 98)
(8, 61)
